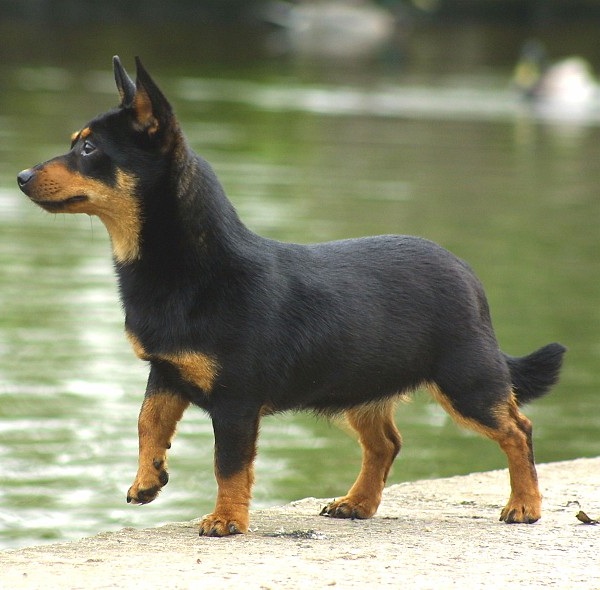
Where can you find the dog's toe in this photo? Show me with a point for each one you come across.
(351, 508)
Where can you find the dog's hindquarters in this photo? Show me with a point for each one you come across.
(487, 399)
(447, 327)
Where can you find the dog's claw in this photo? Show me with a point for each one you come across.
(520, 514)
(214, 526)
(142, 491)
(143, 496)
(345, 509)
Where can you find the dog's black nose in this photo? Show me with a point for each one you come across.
(24, 177)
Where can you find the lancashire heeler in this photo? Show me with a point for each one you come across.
(243, 326)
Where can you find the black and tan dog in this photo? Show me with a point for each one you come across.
(244, 326)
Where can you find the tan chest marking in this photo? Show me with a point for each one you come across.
(119, 210)
(196, 367)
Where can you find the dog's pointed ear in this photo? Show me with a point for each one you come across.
(152, 110)
(125, 85)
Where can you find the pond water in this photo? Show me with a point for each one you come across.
(305, 157)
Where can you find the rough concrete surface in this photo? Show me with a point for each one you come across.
(440, 533)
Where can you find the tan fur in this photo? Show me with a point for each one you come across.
(144, 112)
(119, 211)
(514, 437)
(380, 442)
(80, 134)
(461, 420)
(137, 347)
(195, 367)
(157, 423)
(231, 514)
(116, 205)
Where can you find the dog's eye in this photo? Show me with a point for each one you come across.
(88, 148)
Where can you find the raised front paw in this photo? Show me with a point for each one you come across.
(148, 482)
(350, 507)
(215, 525)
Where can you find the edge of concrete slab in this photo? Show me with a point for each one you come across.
(427, 534)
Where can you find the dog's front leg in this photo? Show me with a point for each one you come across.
(235, 450)
(158, 419)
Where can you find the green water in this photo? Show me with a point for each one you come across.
(304, 158)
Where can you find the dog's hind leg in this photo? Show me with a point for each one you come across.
(515, 439)
(160, 413)
(380, 442)
(503, 422)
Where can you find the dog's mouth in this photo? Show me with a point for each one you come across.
(56, 206)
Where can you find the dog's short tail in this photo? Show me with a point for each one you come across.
(533, 375)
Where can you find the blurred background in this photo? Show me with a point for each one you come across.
(475, 123)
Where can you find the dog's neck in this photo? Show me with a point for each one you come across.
(191, 235)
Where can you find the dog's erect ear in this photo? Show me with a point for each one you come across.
(152, 110)
(125, 85)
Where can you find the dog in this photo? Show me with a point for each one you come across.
(244, 326)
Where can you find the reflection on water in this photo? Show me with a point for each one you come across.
(460, 162)
(454, 101)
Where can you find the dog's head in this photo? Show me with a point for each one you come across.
(115, 162)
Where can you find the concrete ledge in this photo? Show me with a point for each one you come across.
(433, 534)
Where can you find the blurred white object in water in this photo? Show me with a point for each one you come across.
(570, 81)
(334, 28)
(567, 87)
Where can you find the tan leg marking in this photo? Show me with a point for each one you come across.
(231, 514)
(156, 426)
(514, 437)
(380, 442)
(525, 502)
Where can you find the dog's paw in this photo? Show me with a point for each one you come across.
(214, 525)
(521, 512)
(148, 483)
(349, 507)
